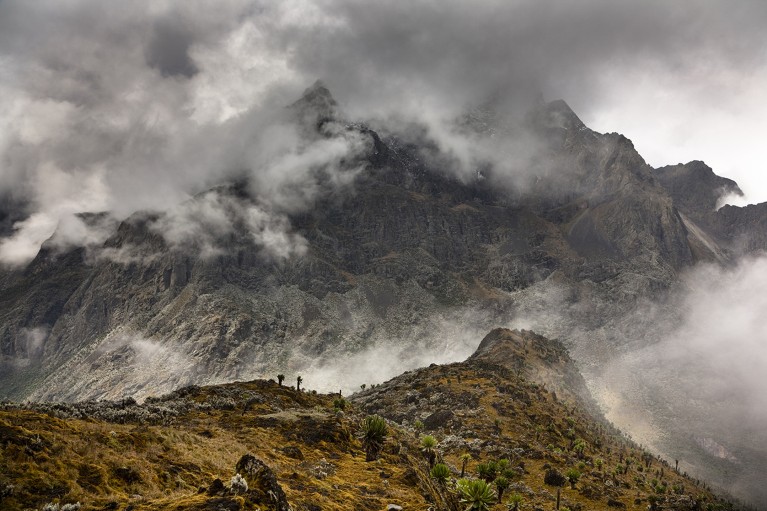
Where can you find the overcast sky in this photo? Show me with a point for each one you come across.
(121, 106)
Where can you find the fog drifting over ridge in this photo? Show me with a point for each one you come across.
(704, 376)
(142, 105)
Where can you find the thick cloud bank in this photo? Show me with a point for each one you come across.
(704, 378)
(139, 106)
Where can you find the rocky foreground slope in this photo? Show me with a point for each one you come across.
(516, 410)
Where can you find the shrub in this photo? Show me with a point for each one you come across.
(573, 475)
(374, 431)
(339, 403)
(440, 472)
(428, 443)
(66, 507)
(501, 483)
(515, 500)
(476, 493)
(465, 457)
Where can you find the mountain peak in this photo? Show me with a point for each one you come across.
(318, 91)
(316, 105)
(695, 188)
(538, 358)
(558, 114)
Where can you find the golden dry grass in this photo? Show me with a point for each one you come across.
(130, 466)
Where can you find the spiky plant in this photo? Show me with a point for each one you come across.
(483, 471)
(299, 381)
(476, 493)
(573, 475)
(515, 500)
(440, 472)
(374, 431)
(579, 447)
(428, 444)
(280, 379)
(487, 471)
(339, 403)
(465, 457)
(501, 483)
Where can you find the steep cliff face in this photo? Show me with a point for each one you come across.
(697, 193)
(695, 188)
(403, 257)
(745, 228)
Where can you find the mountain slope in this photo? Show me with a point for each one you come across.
(391, 256)
(181, 450)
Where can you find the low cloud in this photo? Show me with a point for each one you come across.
(144, 106)
(31, 342)
(444, 337)
(120, 365)
(205, 222)
(704, 379)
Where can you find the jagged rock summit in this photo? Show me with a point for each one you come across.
(695, 188)
(315, 106)
(539, 359)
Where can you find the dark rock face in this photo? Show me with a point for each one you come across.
(437, 419)
(263, 488)
(697, 192)
(540, 359)
(695, 188)
(744, 228)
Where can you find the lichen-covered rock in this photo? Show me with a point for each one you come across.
(263, 488)
(438, 419)
(554, 478)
